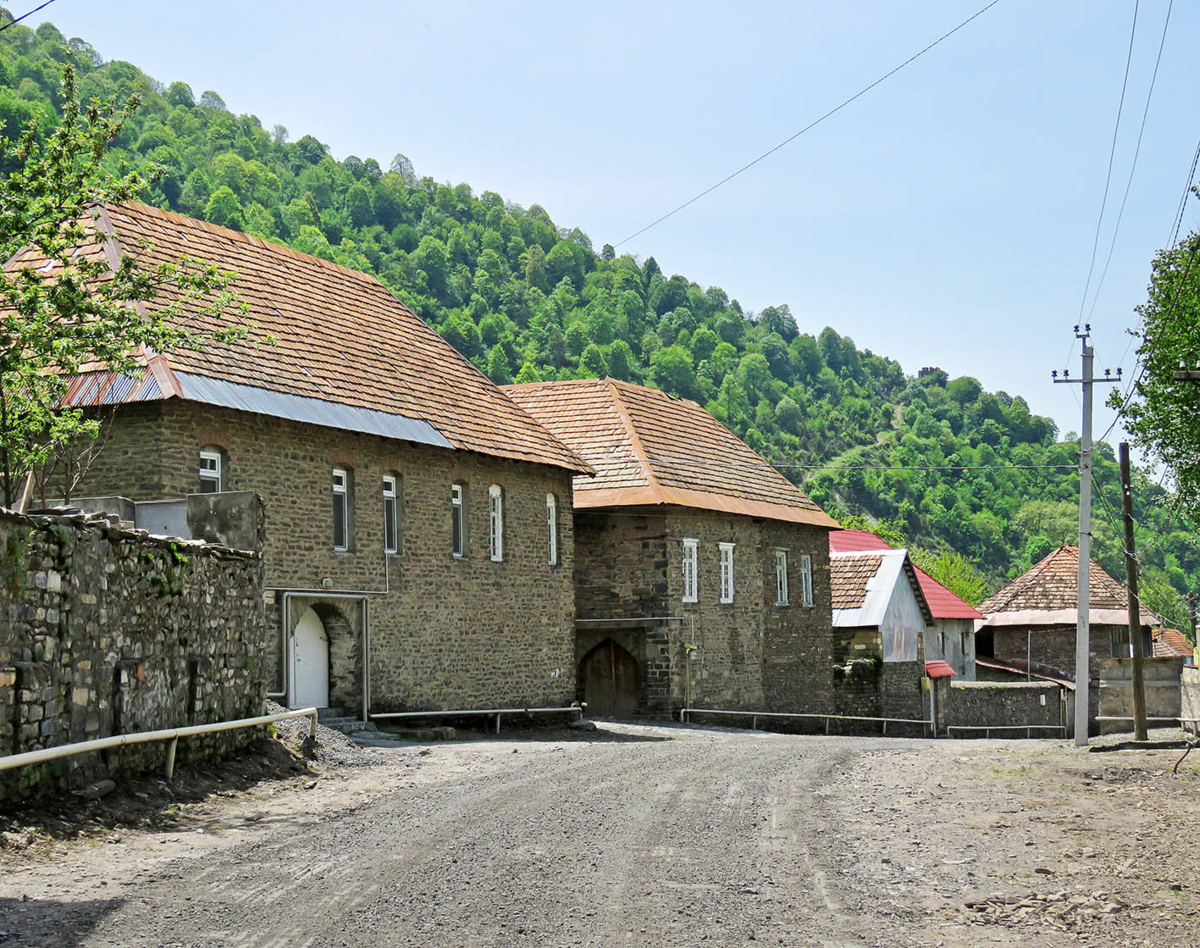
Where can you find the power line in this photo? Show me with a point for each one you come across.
(1111, 154)
(809, 127)
(1187, 188)
(1133, 167)
(26, 16)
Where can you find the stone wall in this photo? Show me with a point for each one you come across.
(752, 653)
(444, 632)
(1162, 680)
(1053, 647)
(1190, 699)
(1016, 705)
(105, 631)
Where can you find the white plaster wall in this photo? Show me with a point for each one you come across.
(944, 640)
(902, 625)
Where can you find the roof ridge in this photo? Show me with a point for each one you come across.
(110, 243)
(635, 442)
(252, 239)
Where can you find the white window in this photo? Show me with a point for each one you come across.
(691, 557)
(781, 585)
(458, 531)
(210, 471)
(726, 572)
(391, 513)
(341, 509)
(552, 529)
(496, 515)
(806, 594)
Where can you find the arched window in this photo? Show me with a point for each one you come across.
(496, 520)
(212, 469)
(458, 519)
(552, 529)
(391, 513)
(342, 506)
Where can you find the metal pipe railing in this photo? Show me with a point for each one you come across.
(755, 715)
(171, 734)
(988, 728)
(389, 715)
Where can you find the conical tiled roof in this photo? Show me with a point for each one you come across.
(1046, 592)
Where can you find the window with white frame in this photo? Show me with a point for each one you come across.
(391, 513)
(458, 520)
(691, 570)
(496, 520)
(781, 578)
(552, 529)
(341, 508)
(210, 471)
(806, 589)
(726, 572)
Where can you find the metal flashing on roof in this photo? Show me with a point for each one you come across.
(313, 411)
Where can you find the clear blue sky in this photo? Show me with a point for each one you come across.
(945, 218)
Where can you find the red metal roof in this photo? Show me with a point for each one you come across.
(938, 669)
(942, 602)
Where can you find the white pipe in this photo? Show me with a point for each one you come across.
(171, 734)
(813, 714)
(455, 714)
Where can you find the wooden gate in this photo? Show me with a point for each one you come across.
(610, 681)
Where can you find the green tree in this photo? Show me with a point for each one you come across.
(671, 370)
(225, 209)
(61, 309)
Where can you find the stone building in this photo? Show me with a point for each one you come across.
(951, 637)
(1031, 622)
(701, 573)
(881, 620)
(419, 530)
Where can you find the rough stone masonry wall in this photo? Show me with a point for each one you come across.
(105, 631)
(1014, 704)
(447, 633)
(1190, 699)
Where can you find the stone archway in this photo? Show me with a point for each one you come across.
(610, 678)
(341, 621)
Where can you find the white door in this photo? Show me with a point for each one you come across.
(310, 663)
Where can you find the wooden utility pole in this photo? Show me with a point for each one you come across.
(1135, 612)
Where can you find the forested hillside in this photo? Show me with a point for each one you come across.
(948, 465)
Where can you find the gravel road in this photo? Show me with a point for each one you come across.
(651, 836)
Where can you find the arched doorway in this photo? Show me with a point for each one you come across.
(310, 662)
(610, 681)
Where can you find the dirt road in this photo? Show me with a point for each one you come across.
(666, 836)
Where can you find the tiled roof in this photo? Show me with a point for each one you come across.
(648, 448)
(339, 336)
(942, 602)
(1170, 643)
(1051, 584)
(848, 578)
(938, 669)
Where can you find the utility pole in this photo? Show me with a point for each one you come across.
(1083, 592)
(1135, 612)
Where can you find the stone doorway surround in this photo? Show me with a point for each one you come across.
(650, 642)
(343, 619)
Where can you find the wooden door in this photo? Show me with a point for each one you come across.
(610, 681)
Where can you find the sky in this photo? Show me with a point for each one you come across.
(947, 217)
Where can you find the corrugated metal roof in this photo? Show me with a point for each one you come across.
(942, 602)
(313, 411)
(107, 388)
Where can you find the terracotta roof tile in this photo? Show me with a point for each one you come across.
(339, 336)
(648, 447)
(1051, 585)
(1170, 643)
(848, 578)
(943, 604)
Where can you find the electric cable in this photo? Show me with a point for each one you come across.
(25, 16)
(809, 127)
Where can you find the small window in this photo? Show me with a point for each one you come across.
(691, 556)
(210, 471)
(341, 508)
(806, 589)
(552, 529)
(726, 572)
(496, 521)
(458, 522)
(781, 578)
(391, 513)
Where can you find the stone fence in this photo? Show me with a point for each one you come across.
(106, 630)
(1007, 709)
(1162, 686)
(1190, 699)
